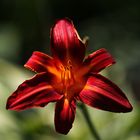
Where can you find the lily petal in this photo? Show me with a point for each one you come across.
(64, 115)
(66, 43)
(39, 62)
(101, 93)
(98, 60)
(36, 92)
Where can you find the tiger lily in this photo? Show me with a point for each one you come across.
(68, 76)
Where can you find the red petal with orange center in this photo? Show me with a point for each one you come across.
(66, 43)
(64, 115)
(101, 93)
(98, 60)
(39, 62)
(33, 93)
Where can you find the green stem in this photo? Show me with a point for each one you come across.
(89, 122)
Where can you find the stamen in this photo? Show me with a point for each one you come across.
(67, 77)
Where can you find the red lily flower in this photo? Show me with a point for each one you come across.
(66, 77)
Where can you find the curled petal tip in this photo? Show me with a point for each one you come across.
(7, 106)
(129, 108)
(10, 107)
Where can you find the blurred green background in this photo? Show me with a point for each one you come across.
(25, 27)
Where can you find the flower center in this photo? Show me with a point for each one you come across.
(67, 78)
